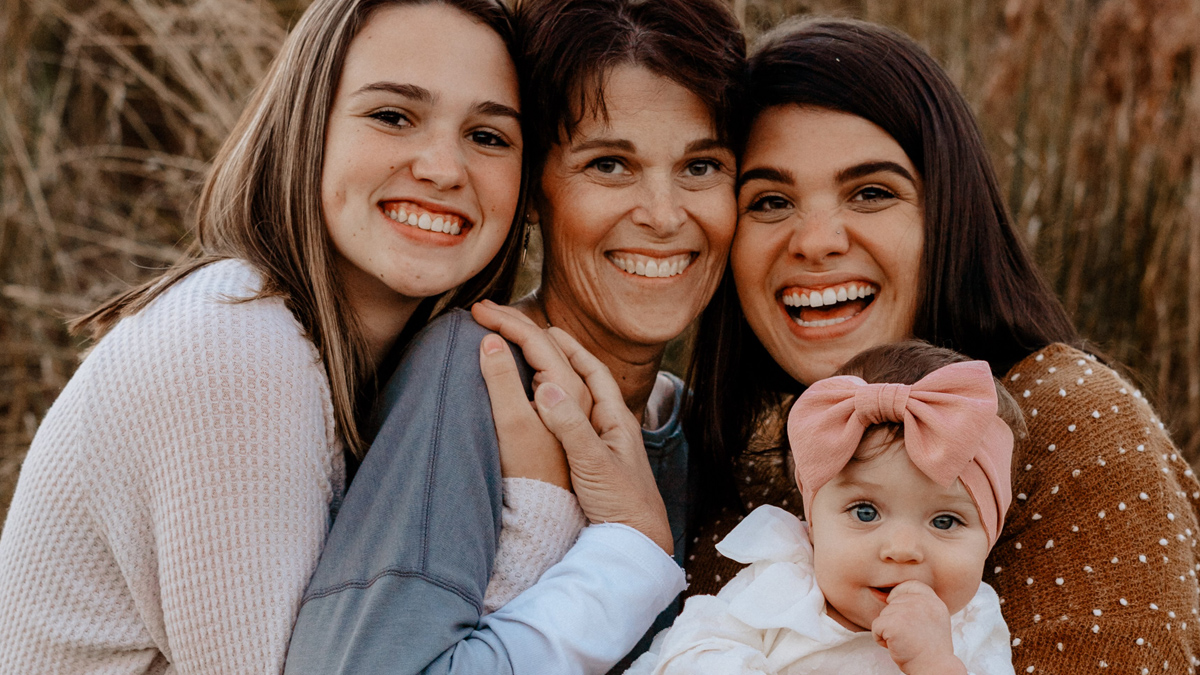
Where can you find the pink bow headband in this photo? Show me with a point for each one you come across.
(951, 432)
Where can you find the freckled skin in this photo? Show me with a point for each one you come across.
(381, 145)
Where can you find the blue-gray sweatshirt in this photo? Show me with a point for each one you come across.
(400, 585)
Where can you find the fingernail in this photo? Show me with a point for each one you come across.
(492, 344)
(552, 395)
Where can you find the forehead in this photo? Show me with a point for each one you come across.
(816, 141)
(890, 473)
(634, 96)
(407, 44)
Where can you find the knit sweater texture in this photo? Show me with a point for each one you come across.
(1097, 565)
(175, 499)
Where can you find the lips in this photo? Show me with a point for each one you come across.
(415, 215)
(881, 592)
(817, 307)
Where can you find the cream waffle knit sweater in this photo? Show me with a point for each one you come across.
(177, 495)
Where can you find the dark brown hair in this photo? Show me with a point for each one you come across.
(261, 203)
(571, 45)
(981, 293)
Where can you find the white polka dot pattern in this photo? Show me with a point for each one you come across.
(174, 502)
(1119, 562)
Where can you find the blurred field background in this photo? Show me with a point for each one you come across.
(110, 109)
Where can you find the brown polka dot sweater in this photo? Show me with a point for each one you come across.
(1097, 565)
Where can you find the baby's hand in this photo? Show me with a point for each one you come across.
(915, 629)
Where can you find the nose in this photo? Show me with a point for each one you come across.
(902, 545)
(660, 209)
(818, 234)
(440, 161)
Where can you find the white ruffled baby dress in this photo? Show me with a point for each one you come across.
(771, 620)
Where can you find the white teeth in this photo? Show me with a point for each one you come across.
(653, 268)
(828, 296)
(446, 224)
(820, 323)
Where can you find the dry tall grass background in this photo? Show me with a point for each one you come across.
(110, 109)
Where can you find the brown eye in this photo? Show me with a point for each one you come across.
(487, 139)
(392, 118)
(608, 165)
(703, 167)
(873, 194)
(769, 203)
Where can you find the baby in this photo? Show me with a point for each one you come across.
(903, 464)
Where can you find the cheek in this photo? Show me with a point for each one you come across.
(748, 259)
(717, 213)
(960, 573)
(498, 185)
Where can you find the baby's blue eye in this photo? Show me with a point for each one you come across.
(865, 513)
(944, 522)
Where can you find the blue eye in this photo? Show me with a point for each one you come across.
(865, 513)
(945, 522)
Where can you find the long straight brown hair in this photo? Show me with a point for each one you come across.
(261, 203)
(981, 294)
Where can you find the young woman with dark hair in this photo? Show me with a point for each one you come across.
(868, 213)
(632, 173)
(175, 500)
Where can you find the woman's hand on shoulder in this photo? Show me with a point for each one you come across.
(602, 440)
(609, 468)
(541, 352)
(527, 448)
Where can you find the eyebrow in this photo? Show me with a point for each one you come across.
(844, 481)
(607, 143)
(768, 174)
(412, 91)
(423, 95)
(700, 145)
(868, 168)
(776, 175)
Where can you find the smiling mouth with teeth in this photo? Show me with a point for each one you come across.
(408, 213)
(647, 266)
(815, 308)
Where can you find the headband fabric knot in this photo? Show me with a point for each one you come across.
(951, 432)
